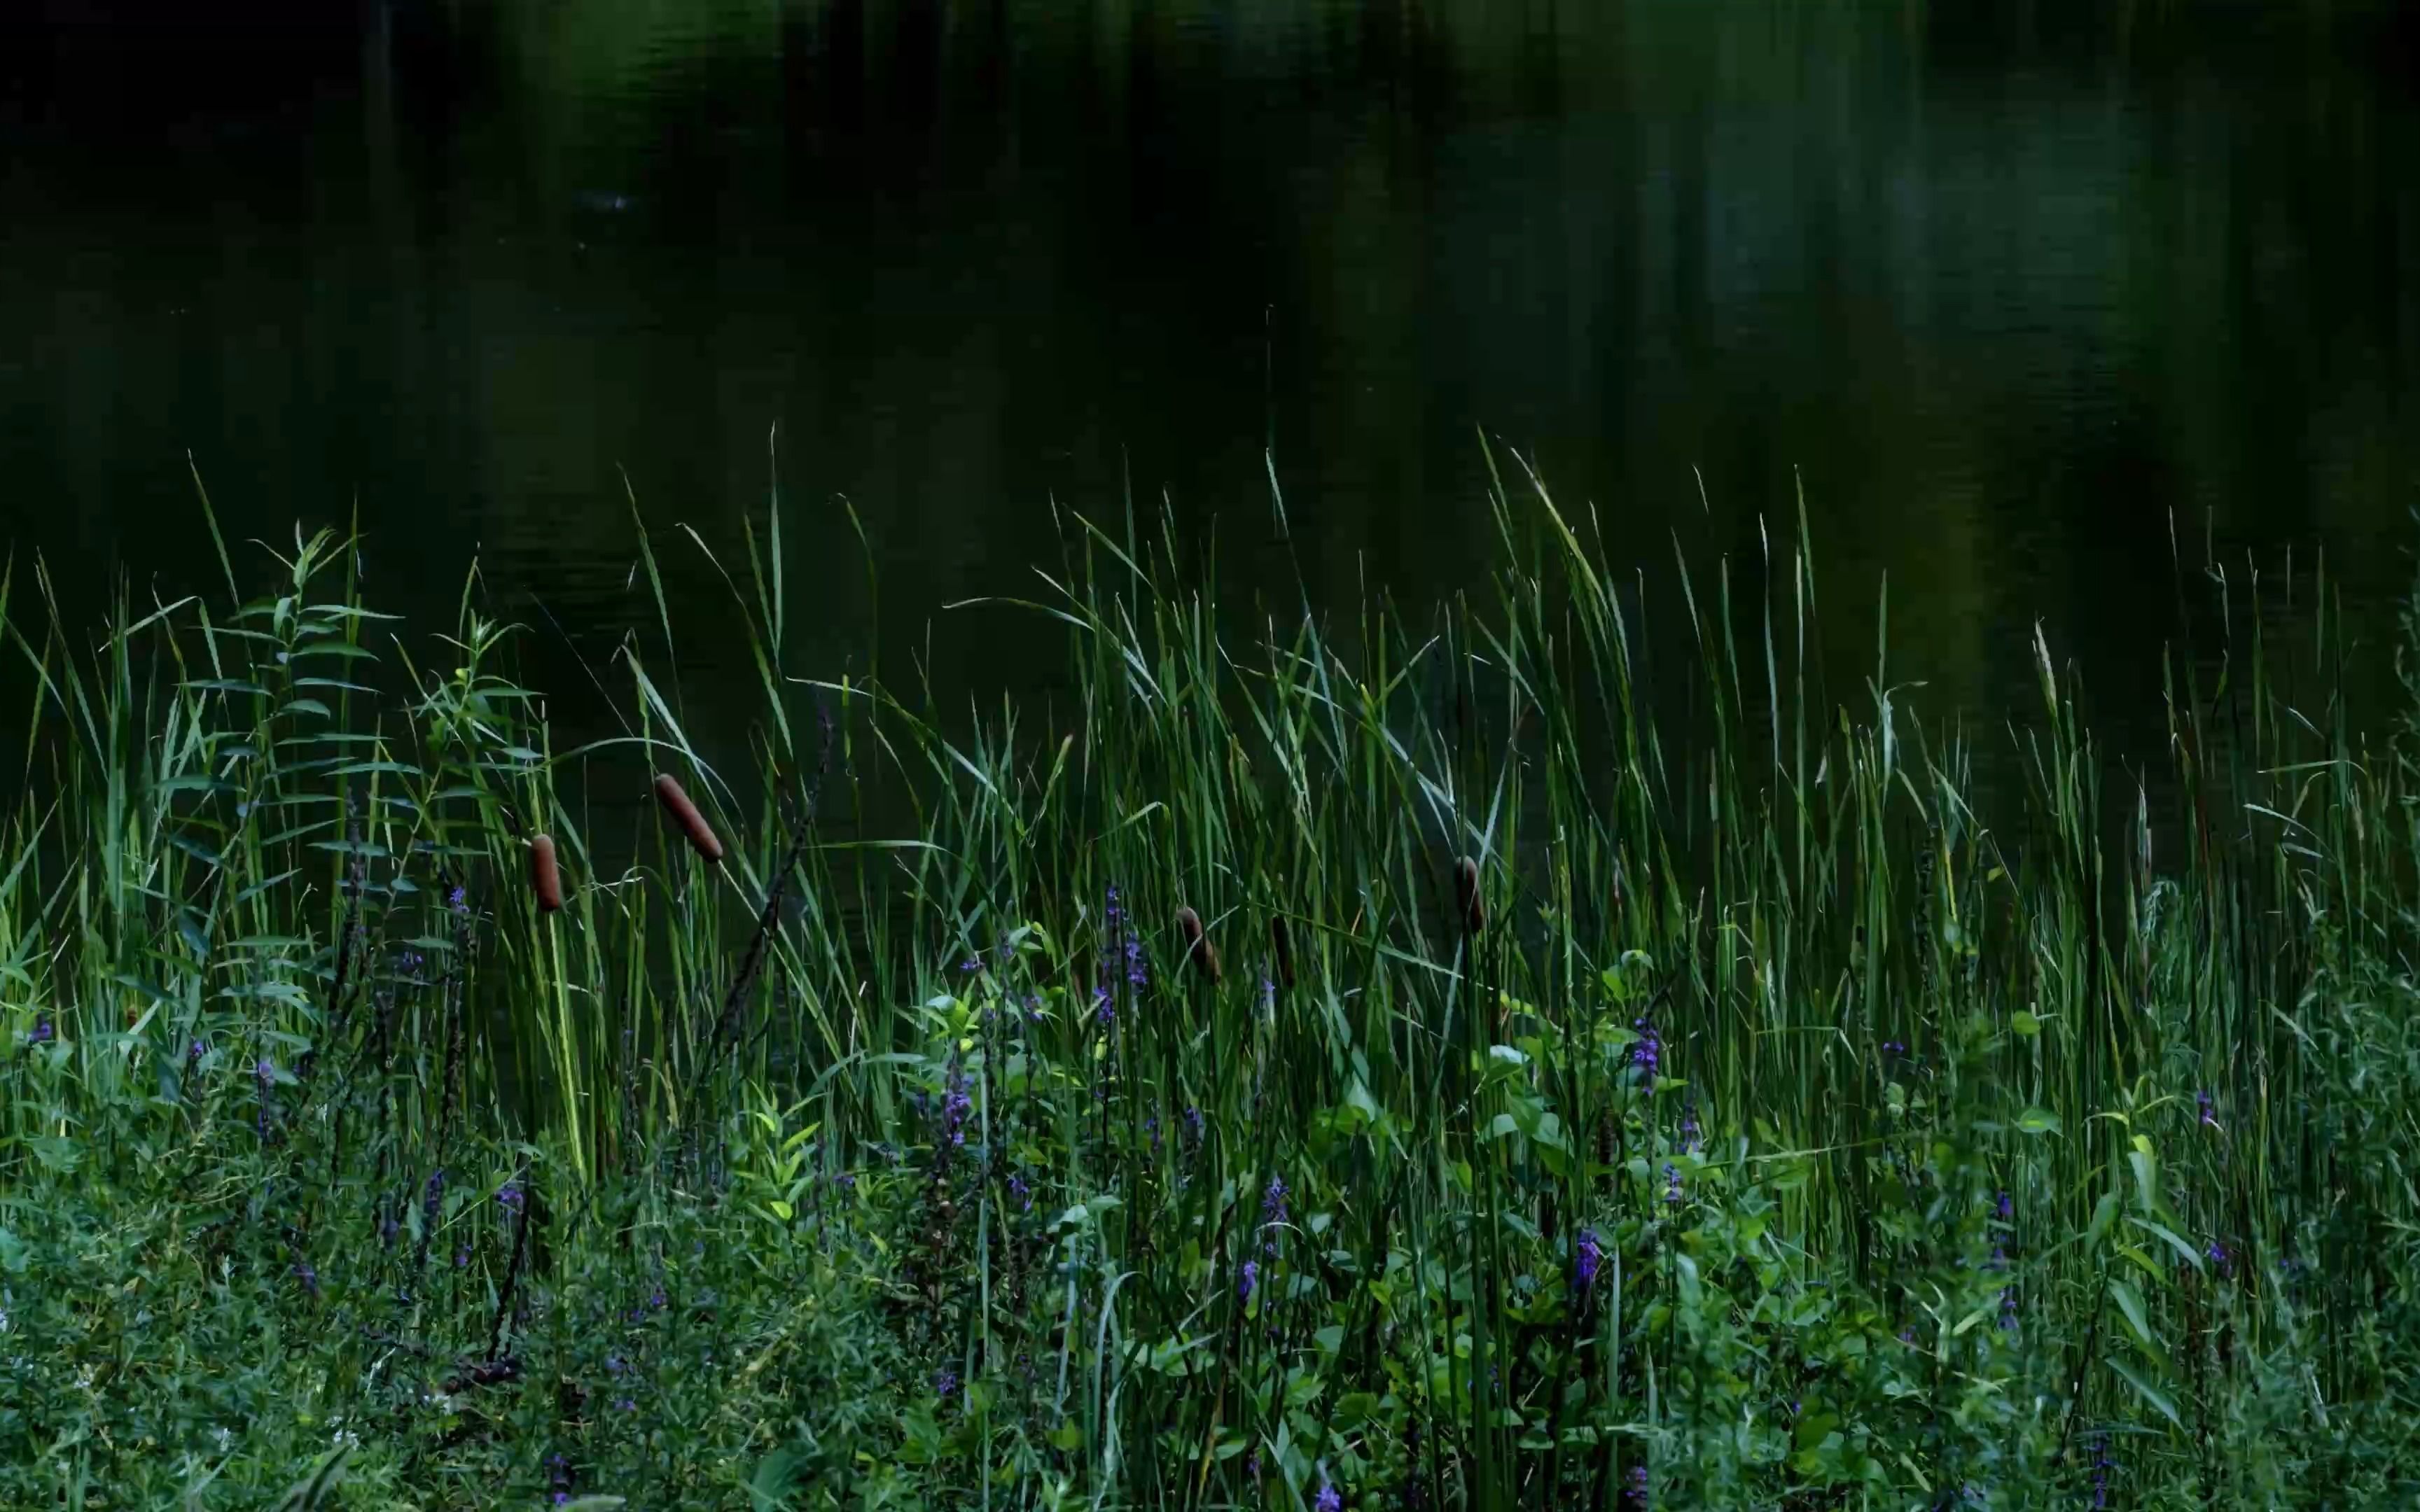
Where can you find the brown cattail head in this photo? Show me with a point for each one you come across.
(1281, 949)
(701, 835)
(1198, 947)
(546, 879)
(1466, 888)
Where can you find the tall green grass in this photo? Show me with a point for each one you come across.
(1806, 1122)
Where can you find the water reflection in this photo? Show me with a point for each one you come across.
(2008, 290)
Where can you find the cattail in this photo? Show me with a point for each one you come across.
(545, 879)
(701, 835)
(1282, 949)
(1197, 945)
(1466, 886)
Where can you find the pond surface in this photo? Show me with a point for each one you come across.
(2018, 295)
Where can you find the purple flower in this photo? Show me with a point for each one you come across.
(2209, 1110)
(2007, 1211)
(1104, 1006)
(2008, 1308)
(1647, 1054)
(197, 1050)
(42, 1030)
(1193, 1124)
(970, 965)
(624, 1404)
(1672, 1185)
(955, 1107)
(508, 1196)
(1327, 1501)
(945, 1384)
(1022, 1193)
(457, 902)
(1637, 1495)
(1592, 1255)
(1691, 1140)
(1251, 1278)
(561, 1498)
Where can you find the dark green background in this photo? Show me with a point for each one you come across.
(2011, 286)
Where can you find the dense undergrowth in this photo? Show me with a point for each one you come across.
(1750, 1121)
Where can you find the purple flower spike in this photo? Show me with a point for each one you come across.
(1329, 1500)
(1592, 1255)
(1251, 1278)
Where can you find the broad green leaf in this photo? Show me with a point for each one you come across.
(2158, 1398)
(2037, 1121)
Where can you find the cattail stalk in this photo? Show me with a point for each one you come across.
(545, 878)
(1466, 886)
(676, 803)
(1204, 954)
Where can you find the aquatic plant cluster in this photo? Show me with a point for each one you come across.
(1377, 1062)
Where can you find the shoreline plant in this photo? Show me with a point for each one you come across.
(1381, 1061)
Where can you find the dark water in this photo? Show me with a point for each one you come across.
(2008, 287)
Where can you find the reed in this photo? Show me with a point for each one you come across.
(1784, 1116)
(684, 813)
(546, 878)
